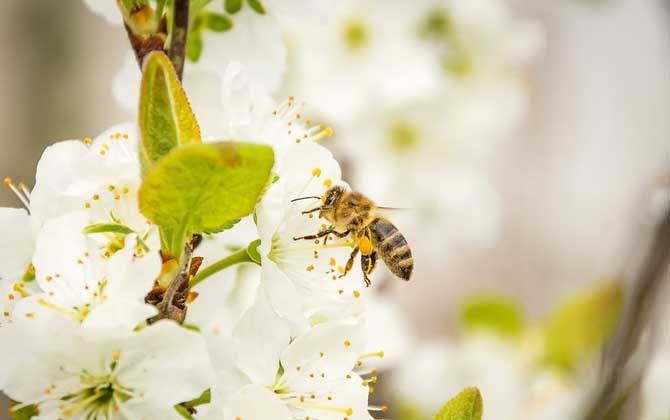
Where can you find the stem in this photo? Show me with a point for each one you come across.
(177, 50)
(634, 319)
(240, 256)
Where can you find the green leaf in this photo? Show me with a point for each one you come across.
(194, 47)
(107, 228)
(218, 22)
(165, 116)
(25, 413)
(576, 331)
(467, 405)
(232, 6)
(257, 5)
(252, 250)
(499, 315)
(204, 188)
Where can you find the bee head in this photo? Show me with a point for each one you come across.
(332, 195)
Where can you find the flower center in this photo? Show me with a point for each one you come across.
(98, 397)
(403, 136)
(355, 34)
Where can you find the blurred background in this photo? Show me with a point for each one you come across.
(535, 187)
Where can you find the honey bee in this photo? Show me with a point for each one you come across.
(351, 213)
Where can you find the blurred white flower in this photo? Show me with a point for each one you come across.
(438, 370)
(302, 277)
(364, 57)
(655, 388)
(77, 280)
(139, 375)
(107, 9)
(480, 41)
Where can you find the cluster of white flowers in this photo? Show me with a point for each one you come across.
(285, 341)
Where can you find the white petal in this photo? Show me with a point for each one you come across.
(331, 348)
(106, 9)
(131, 277)
(60, 166)
(61, 264)
(168, 363)
(259, 338)
(115, 318)
(254, 41)
(280, 291)
(256, 403)
(17, 245)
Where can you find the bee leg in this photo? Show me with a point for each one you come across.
(350, 262)
(316, 236)
(338, 234)
(368, 264)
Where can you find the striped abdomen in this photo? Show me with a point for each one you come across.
(392, 247)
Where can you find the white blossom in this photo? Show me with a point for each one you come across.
(65, 374)
(302, 278)
(79, 281)
(313, 376)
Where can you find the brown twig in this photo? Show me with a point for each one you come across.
(633, 322)
(179, 35)
(171, 302)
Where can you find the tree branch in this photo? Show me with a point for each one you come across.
(179, 35)
(632, 323)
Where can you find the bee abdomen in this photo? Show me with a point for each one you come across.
(393, 248)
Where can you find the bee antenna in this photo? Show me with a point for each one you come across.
(305, 198)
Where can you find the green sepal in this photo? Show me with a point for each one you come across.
(252, 250)
(25, 413)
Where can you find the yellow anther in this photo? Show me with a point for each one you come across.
(8, 181)
(327, 183)
(316, 172)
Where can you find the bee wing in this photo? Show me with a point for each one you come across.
(392, 210)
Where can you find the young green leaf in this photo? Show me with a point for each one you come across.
(165, 116)
(499, 315)
(257, 5)
(232, 6)
(204, 188)
(218, 22)
(579, 327)
(467, 405)
(194, 47)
